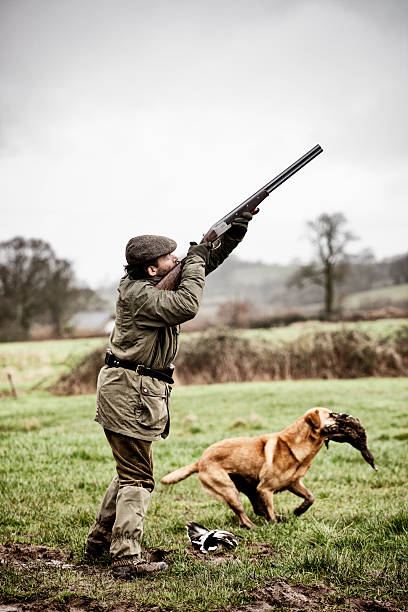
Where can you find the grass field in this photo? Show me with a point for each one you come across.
(377, 329)
(392, 294)
(56, 464)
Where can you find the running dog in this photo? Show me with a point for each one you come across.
(262, 466)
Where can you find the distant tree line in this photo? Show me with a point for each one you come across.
(331, 275)
(38, 287)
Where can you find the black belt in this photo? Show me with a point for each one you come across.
(114, 362)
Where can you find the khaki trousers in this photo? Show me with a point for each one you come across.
(119, 521)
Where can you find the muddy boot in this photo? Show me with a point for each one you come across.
(100, 534)
(131, 567)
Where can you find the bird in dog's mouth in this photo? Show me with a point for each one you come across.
(346, 428)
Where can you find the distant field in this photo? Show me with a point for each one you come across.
(377, 329)
(372, 298)
(56, 463)
(393, 294)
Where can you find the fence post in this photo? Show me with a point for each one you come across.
(12, 385)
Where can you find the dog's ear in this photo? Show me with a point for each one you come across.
(313, 419)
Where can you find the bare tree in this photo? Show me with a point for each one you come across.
(24, 271)
(36, 286)
(329, 238)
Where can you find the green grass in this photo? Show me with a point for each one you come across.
(55, 465)
(377, 329)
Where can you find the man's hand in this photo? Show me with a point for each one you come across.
(239, 225)
(203, 250)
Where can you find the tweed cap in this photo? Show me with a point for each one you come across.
(148, 247)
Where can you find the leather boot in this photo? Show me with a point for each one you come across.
(129, 568)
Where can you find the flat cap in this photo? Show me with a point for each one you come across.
(148, 247)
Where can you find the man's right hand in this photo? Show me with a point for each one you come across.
(202, 250)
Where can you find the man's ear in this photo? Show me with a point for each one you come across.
(152, 270)
(313, 419)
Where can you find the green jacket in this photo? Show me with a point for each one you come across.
(146, 332)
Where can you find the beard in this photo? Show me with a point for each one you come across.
(163, 270)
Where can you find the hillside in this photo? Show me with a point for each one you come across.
(369, 284)
(265, 286)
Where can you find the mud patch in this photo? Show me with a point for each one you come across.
(283, 595)
(77, 604)
(355, 604)
(300, 597)
(217, 557)
(276, 595)
(21, 554)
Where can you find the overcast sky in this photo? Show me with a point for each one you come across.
(131, 117)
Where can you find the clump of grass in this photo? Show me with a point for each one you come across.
(239, 423)
(190, 419)
(83, 376)
(32, 423)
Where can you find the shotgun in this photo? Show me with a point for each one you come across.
(172, 278)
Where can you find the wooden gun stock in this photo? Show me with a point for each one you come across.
(172, 278)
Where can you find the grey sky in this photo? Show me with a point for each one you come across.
(130, 117)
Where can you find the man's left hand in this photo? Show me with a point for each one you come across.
(239, 225)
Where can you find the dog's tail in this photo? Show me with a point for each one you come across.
(180, 474)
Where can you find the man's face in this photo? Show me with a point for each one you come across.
(165, 263)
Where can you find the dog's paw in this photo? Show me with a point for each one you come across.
(281, 518)
(247, 524)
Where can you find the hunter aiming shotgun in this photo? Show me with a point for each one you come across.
(172, 278)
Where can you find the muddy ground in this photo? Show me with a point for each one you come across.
(275, 595)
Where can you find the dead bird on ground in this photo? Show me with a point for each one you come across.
(262, 466)
(207, 540)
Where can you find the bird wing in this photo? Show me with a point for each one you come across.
(208, 540)
(225, 538)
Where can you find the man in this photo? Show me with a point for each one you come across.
(132, 401)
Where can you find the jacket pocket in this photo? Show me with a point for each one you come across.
(153, 410)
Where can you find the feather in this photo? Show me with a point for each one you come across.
(207, 540)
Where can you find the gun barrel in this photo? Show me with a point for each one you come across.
(261, 194)
(302, 161)
(171, 280)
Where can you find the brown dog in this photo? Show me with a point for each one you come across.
(259, 467)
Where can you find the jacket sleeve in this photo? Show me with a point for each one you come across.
(220, 253)
(159, 308)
